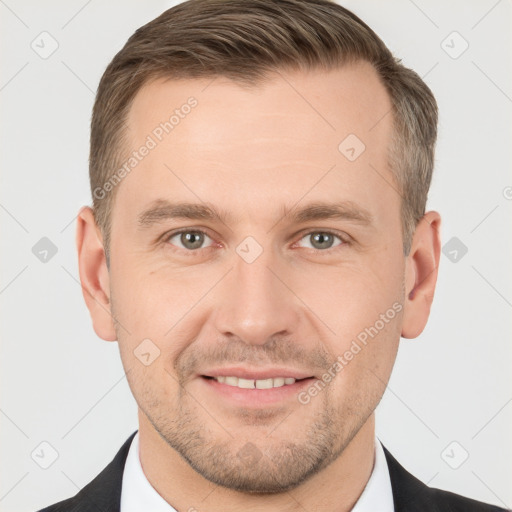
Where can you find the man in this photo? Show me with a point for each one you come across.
(257, 245)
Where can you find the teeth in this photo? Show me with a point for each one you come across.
(245, 383)
(252, 384)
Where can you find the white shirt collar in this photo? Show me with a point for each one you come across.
(138, 494)
(378, 494)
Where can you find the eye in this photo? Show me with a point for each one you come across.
(190, 239)
(193, 239)
(322, 240)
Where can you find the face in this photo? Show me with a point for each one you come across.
(261, 278)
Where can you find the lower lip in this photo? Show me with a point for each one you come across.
(257, 397)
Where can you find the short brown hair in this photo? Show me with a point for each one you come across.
(244, 40)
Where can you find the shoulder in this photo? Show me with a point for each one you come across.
(455, 503)
(412, 495)
(103, 492)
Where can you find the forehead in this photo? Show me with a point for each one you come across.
(327, 104)
(298, 133)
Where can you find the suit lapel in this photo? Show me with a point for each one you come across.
(103, 494)
(409, 493)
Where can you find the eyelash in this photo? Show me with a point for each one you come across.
(343, 239)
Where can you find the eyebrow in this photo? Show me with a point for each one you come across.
(162, 210)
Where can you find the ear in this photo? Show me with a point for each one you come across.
(94, 274)
(421, 274)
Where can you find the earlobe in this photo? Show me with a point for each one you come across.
(94, 275)
(421, 274)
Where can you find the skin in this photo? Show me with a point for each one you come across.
(299, 304)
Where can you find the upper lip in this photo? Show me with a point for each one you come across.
(256, 374)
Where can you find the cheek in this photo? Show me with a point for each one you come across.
(350, 298)
(365, 362)
(365, 311)
(151, 312)
(148, 302)
(147, 355)
(153, 387)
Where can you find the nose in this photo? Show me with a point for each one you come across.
(255, 301)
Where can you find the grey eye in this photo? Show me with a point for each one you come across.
(321, 239)
(190, 240)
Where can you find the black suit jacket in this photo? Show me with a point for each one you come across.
(103, 494)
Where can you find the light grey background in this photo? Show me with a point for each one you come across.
(63, 385)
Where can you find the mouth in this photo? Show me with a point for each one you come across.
(243, 383)
(253, 393)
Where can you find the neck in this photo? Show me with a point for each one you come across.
(336, 487)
